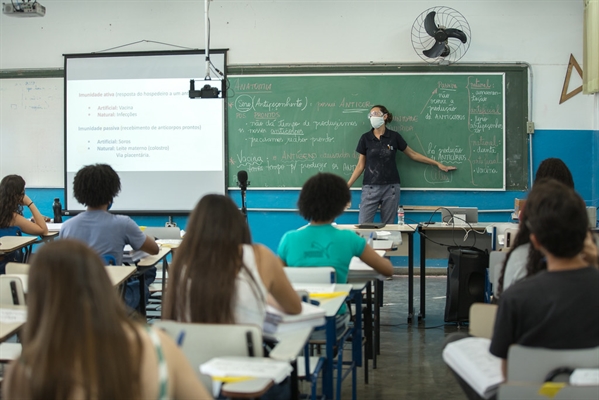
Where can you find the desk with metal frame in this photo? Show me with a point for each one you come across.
(145, 264)
(331, 305)
(406, 248)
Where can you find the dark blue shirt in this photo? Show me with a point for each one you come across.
(381, 168)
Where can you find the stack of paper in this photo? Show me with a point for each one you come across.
(471, 360)
(11, 316)
(278, 322)
(254, 367)
(132, 256)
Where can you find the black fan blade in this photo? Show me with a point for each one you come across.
(429, 23)
(456, 33)
(435, 51)
(445, 52)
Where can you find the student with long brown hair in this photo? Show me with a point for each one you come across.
(219, 276)
(12, 222)
(12, 200)
(79, 343)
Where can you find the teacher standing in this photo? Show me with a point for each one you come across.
(377, 149)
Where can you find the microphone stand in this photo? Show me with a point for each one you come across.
(244, 210)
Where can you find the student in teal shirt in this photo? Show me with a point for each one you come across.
(320, 244)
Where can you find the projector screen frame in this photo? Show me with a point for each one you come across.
(217, 178)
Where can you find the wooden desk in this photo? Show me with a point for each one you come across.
(434, 242)
(142, 266)
(120, 273)
(117, 274)
(9, 244)
(7, 329)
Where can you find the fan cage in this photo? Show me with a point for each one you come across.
(448, 18)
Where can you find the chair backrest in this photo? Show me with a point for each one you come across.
(532, 364)
(482, 319)
(202, 342)
(11, 290)
(109, 259)
(510, 391)
(310, 274)
(17, 268)
(496, 259)
(161, 232)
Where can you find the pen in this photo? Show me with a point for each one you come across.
(250, 343)
(180, 338)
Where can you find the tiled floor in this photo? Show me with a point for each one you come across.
(410, 364)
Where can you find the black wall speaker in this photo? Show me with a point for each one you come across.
(466, 277)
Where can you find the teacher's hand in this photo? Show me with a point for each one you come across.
(446, 168)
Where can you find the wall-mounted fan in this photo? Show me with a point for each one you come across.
(441, 35)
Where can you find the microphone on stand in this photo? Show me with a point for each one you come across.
(242, 180)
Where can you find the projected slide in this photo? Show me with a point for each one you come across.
(133, 112)
(143, 125)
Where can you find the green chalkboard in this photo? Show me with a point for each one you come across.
(283, 129)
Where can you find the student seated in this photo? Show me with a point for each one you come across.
(12, 222)
(78, 342)
(555, 308)
(96, 186)
(523, 260)
(320, 244)
(219, 276)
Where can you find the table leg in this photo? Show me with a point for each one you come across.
(410, 277)
(327, 374)
(378, 289)
(142, 294)
(421, 315)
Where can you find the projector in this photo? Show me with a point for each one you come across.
(16, 9)
(206, 92)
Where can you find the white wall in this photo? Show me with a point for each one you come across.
(542, 33)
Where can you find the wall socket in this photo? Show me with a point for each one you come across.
(530, 127)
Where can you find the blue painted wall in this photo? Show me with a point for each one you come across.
(578, 149)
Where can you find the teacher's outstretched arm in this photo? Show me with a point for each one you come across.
(358, 170)
(423, 159)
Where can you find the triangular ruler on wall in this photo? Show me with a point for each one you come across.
(565, 95)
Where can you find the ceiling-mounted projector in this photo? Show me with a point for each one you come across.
(20, 9)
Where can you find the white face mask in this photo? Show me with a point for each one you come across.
(377, 122)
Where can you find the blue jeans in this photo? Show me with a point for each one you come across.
(387, 196)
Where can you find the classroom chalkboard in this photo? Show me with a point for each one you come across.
(283, 129)
(326, 91)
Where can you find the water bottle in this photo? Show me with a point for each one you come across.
(57, 208)
(400, 215)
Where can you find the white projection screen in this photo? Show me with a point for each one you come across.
(133, 112)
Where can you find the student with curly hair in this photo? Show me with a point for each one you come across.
(96, 186)
(78, 342)
(320, 244)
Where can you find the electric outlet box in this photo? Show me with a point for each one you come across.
(530, 127)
